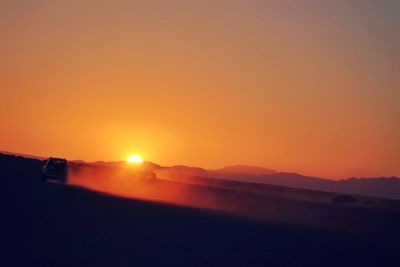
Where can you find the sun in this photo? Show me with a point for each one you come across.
(135, 159)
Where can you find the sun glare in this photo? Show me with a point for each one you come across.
(135, 159)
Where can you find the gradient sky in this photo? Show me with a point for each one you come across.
(305, 86)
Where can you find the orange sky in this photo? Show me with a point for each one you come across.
(305, 86)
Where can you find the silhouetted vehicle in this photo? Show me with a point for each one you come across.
(55, 169)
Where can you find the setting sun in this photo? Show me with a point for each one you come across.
(135, 159)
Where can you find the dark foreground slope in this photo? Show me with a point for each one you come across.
(45, 224)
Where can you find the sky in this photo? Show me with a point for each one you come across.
(304, 86)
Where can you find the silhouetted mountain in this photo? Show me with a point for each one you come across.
(293, 180)
(233, 172)
(377, 187)
(188, 170)
(385, 187)
(245, 170)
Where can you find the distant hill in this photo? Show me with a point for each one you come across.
(245, 170)
(384, 187)
(234, 172)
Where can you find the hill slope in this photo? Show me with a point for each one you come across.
(384, 187)
(55, 225)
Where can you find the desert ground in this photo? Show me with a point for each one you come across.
(120, 217)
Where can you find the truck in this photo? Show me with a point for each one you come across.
(55, 169)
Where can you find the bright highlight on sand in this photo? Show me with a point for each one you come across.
(135, 159)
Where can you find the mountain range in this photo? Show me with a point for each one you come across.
(384, 187)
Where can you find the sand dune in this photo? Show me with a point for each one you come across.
(150, 222)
